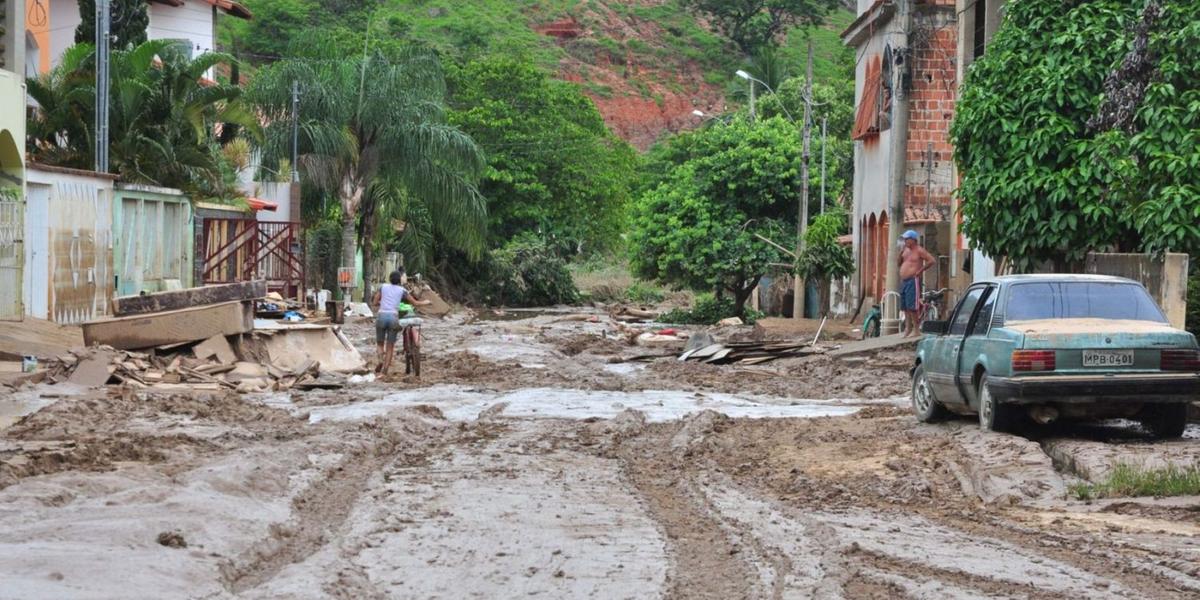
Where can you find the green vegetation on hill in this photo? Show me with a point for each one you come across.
(623, 48)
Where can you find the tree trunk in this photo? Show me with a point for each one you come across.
(349, 243)
(741, 295)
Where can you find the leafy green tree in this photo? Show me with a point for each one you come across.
(1077, 131)
(752, 24)
(553, 167)
(161, 116)
(823, 258)
(368, 115)
(833, 101)
(129, 20)
(696, 227)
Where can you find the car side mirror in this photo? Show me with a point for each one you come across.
(935, 327)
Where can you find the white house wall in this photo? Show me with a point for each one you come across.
(192, 22)
(872, 158)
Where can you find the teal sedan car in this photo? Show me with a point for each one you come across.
(1051, 347)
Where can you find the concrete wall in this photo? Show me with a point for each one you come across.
(68, 255)
(280, 194)
(12, 179)
(1166, 278)
(192, 22)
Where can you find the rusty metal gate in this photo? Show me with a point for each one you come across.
(12, 258)
(246, 249)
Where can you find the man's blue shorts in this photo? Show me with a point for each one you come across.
(908, 294)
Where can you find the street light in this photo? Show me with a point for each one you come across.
(748, 77)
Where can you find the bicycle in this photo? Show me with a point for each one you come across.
(410, 335)
(929, 306)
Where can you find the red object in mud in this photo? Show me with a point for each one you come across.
(667, 332)
(1033, 360)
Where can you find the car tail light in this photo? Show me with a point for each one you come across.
(1033, 360)
(1180, 360)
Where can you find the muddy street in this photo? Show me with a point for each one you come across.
(532, 461)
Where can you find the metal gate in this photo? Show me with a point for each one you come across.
(246, 249)
(12, 259)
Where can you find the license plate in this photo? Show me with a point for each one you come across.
(1108, 358)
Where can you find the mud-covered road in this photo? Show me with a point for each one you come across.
(529, 462)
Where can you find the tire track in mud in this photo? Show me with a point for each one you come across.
(704, 561)
(321, 509)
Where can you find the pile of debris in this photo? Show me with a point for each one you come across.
(197, 370)
(748, 353)
(208, 338)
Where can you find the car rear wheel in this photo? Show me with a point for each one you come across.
(1164, 420)
(993, 416)
(924, 404)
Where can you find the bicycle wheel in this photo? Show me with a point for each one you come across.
(412, 353)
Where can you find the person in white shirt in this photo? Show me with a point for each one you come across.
(390, 300)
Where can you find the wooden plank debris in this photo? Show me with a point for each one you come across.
(189, 298)
(170, 327)
(216, 346)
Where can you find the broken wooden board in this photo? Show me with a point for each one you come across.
(171, 327)
(36, 337)
(94, 369)
(188, 298)
(216, 346)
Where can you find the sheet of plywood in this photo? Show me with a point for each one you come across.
(216, 346)
(188, 298)
(36, 337)
(291, 349)
(93, 370)
(171, 327)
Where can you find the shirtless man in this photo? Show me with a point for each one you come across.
(914, 260)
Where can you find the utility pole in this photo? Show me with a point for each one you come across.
(802, 221)
(103, 31)
(752, 115)
(824, 141)
(899, 150)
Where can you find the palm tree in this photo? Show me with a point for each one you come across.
(161, 115)
(372, 132)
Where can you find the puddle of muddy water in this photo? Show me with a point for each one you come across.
(30, 400)
(461, 404)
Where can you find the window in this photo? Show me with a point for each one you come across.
(979, 32)
(962, 315)
(871, 116)
(1081, 299)
(984, 319)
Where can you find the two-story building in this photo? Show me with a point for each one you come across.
(12, 157)
(944, 37)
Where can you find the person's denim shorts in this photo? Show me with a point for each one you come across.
(387, 327)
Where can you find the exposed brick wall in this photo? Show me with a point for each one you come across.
(931, 109)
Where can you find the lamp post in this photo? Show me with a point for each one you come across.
(751, 79)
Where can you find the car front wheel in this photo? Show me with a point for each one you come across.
(1164, 420)
(924, 404)
(993, 416)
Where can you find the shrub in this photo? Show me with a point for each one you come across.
(526, 272)
(707, 310)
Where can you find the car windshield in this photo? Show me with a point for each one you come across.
(1081, 299)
